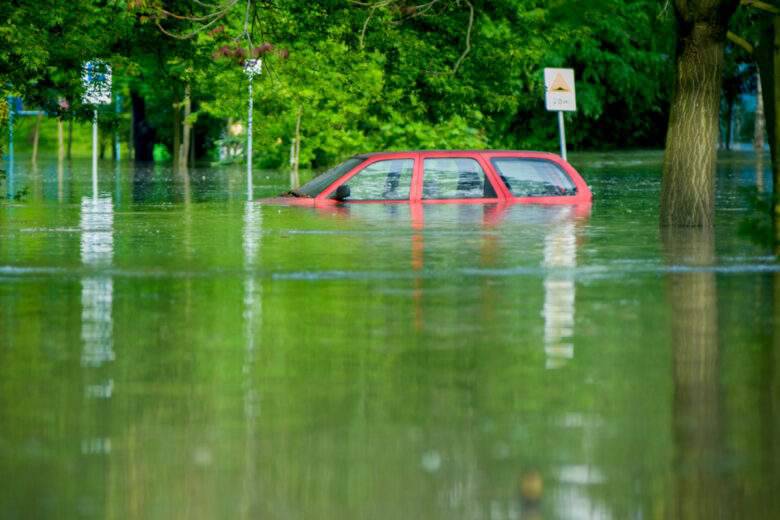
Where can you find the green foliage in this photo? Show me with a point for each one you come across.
(361, 78)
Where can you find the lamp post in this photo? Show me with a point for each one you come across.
(252, 68)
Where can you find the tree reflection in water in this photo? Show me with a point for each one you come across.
(697, 406)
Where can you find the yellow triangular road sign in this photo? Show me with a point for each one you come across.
(559, 84)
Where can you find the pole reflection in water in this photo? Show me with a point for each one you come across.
(697, 406)
(253, 316)
(560, 254)
(97, 294)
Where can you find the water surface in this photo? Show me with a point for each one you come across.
(170, 350)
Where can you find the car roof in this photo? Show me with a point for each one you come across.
(475, 151)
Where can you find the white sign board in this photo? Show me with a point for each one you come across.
(253, 67)
(96, 78)
(559, 90)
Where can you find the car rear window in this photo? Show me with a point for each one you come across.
(533, 177)
(318, 184)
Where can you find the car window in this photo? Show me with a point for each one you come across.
(455, 178)
(318, 184)
(533, 177)
(383, 180)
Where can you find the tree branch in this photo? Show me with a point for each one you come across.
(741, 42)
(365, 26)
(468, 38)
(211, 18)
(758, 4)
(414, 11)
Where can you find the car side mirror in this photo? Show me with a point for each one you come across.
(342, 192)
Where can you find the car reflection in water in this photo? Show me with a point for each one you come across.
(514, 241)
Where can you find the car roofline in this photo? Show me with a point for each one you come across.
(368, 155)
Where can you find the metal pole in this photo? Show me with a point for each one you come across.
(118, 105)
(11, 108)
(94, 153)
(249, 145)
(562, 131)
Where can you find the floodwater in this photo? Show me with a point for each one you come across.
(170, 350)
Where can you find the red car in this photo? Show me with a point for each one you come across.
(432, 177)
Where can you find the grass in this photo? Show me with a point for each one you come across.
(47, 142)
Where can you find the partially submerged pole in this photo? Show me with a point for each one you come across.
(758, 129)
(118, 109)
(36, 136)
(10, 181)
(94, 152)
(251, 68)
(184, 148)
(560, 97)
(70, 139)
(249, 183)
(295, 180)
(562, 132)
(60, 140)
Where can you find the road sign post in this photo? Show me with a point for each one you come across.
(252, 68)
(96, 78)
(560, 97)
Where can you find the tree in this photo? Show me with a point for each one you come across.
(759, 36)
(687, 187)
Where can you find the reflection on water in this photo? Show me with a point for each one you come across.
(97, 250)
(253, 316)
(97, 295)
(560, 253)
(698, 421)
(173, 351)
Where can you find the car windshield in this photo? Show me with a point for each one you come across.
(316, 186)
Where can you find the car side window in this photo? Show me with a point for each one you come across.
(382, 180)
(533, 177)
(455, 178)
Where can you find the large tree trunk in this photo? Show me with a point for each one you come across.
(768, 59)
(688, 186)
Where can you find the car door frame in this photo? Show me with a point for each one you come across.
(502, 193)
(324, 197)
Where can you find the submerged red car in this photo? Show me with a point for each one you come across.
(460, 176)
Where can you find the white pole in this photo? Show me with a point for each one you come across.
(562, 131)
(10, 183)
(249, 145)
(94, 154)
(118, 108)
